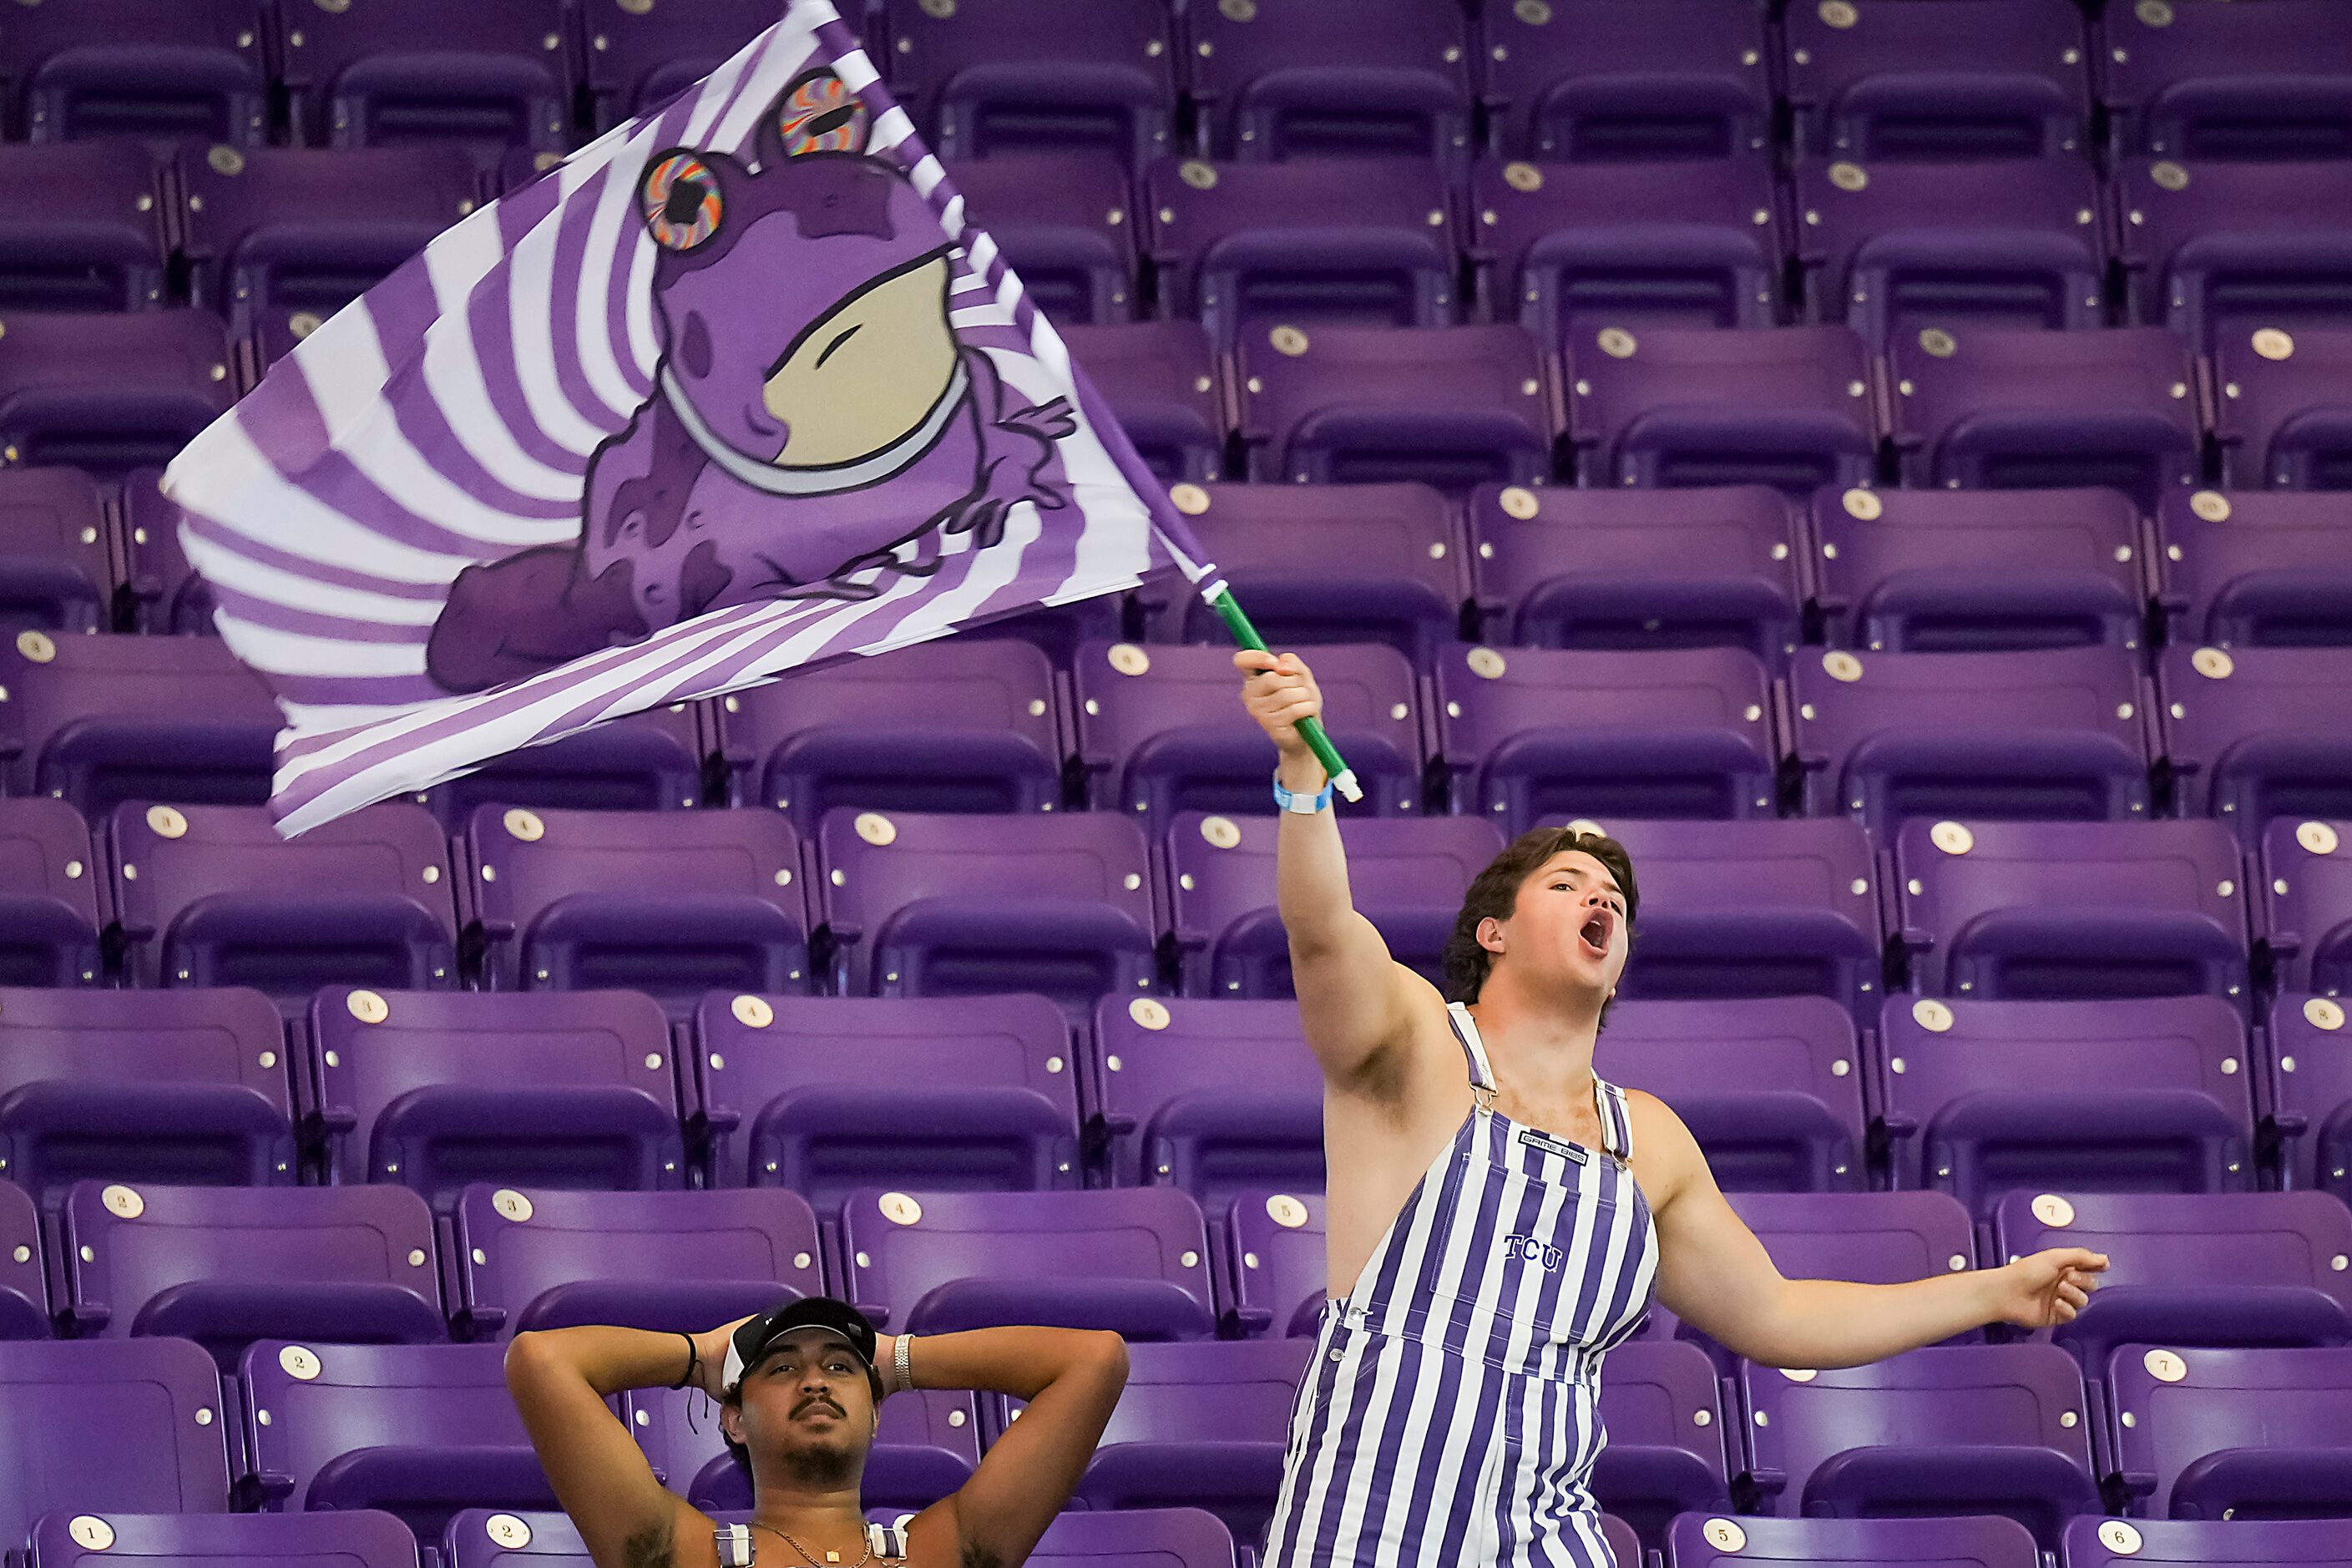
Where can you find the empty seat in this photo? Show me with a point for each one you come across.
(1317, 242)
(1061, 220)
(226, 1266)
(419, 1431)
(2311, 1101)
(106, 1425)
(1958, 572)
(2257, 733)
(1160, 381)
(445, 71)
(672, 903)
(53, 903)
(96, 720)
(1752, 909)
(1133, 1260)
(2021, 911)
(1449, 406)
(211, 895)
(1555, 567)
(109, 392)
(1567, 248)
(1662, 1408)
(1538, 731)
(1158, 732)
(548, 1258)
(1772, 1087)
(2131, 1095)
(2190, 79)
(23, 1292)
(640, 56)
(1319, 563)
(1175, 1537)
(2281, 414)
(1406, 876)
(985, 1093)
(2094, 1543)
(2053, 735)
(123, 68)
(1950, 1429)
(2302, 913)
(2004, 409)
(1892, 246)
(1883, 80)
(1065, 74)
(2229, 1434)
(164, 593)
(946, 906)
(2255, 568)
(54, 573)
(1291, 78)
(141, 1086)
(496, 1538)
(81, 227)
(2218, 249)
(641, 762)
(1787, 406)
(1276, 1272)
(434, 1090)
(1592, 80)
(926, 1445)
(1216, 1098)
(362, 1537)
(1696, 1540)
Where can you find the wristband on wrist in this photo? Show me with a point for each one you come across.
(905, 1368)
(1301, 805)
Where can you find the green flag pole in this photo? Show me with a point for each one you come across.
(1343, 777)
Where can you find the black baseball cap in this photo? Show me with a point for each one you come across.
(758, 1336)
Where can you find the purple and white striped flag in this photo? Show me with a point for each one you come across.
(734, 391)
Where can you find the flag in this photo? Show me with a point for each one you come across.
(733, 391)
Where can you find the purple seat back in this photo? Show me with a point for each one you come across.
(2229, 1434)
(2281, 414)
(2255, 568)
(1129, 1537)
(1276, 1276)
(2094, 1543)
(984, 1093)
(1407, 874)
(85, 230)
(642, 762)
(1216, 1098)
(1294, 79)
(2311, 1100)
(1593, 81)
(2196, 81)
(430, 70)
(164, 593)
(54, 572)
(2024, 910)
(1133, 1260)
(362, 1537)
(145, 1086)
(1696, 1540)
(54, 904)
(1555, 567)
(1772, 1087)
(2119, 1095)
(640, 56)
(1985, 80)
(1662, 1408)
(1064, 74)
(928, 1445)
(549, 1258)
(109, 393)
(1158, 732)
(1061, 221)
(1542, 731)
(211, 895)
(101, 1425)
(24, 1293)
(2222, 249)
(2257, 733)
(1159, 380)
(496, 1538)
(433, 1090)
(126, 68)
(2303, 914)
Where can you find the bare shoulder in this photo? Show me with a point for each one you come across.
(1665, 1154)
(935, 1540)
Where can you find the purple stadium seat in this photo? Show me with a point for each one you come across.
(1407, 874)
(928, 1445)
(2303, 909)
(1950, 1429)
(95, 721)
(1960, 572)
(666, 1261)
(1318, 242)
(419, 1431)
(128, 68)
(2094, 1543)
(2256, 568)
(2222, 250)
(2003, 409)
(2051, 735)
(1538, 732)
(1668, 407)
(1449, 406)
(101, 1425)
(429, 71)
(279, 239)
(1772, 1087)
(1893, 247)
(1569, 249)
(671, 903)
(2225, 1434)
(2311, 1092)
(2022, 910)
(164, 592)
(1276, 1276)
(141, 1085)
(2131, 1095)
(226, 1266)
(1752, 909)
(985, 80)
(1217, 1097)
(496, 1538)
(2196, 81)
(2215, 1268)
(1556, 567)
(2281, 414)
(958, 906)
(1129, 1538)
(1134, 1260)
(1061, 221)
(1886, 79)
(1160, 381)
(434, 1090)
(1277, 79)
(1596, 81)
(2258, 733)
(641, 762)
(109, 392)
(641, 55)
(81, 227)
(53, 572)
(212, 896)
(54, 906)
(984, 1093)
(24, 1294)
(1698, 1540)
(1321, 564)
(1662, 1407)
(1158, 731)
(362, 1537)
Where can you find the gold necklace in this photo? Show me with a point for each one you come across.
(829, 1557)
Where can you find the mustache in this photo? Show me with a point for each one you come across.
(813, 1401)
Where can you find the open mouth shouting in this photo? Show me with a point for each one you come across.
(1599, 928)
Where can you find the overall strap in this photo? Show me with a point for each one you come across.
(1466, 1031)
(887, 1540)
(1616, 1119)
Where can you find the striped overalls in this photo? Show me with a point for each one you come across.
(1449, 1416)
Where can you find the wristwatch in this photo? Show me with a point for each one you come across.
(1304, 804)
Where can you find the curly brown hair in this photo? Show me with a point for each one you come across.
(1494, 893)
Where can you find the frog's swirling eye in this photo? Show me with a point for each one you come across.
(681, 201)
(819, 114)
